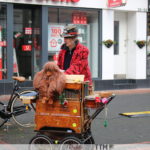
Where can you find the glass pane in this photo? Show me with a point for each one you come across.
(87, 24)
(27, 48)
(36, 41)
(148, 45)
(3, 46)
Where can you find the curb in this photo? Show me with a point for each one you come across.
(117, 92)
(128, 91)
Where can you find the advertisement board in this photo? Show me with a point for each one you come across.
(54, 39)
(116, 3)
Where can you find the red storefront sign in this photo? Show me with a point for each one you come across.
(79, 18)
(2, 43)
(55, 57)
(28, 31)
(26, 47)
(116, 3)
(67, 1)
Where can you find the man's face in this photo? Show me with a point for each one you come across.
(69, 41)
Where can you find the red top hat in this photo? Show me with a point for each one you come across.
(70, 31)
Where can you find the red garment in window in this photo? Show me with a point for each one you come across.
(79, 62)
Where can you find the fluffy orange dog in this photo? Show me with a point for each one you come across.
(49, 82)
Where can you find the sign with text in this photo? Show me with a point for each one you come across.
(26, 48)
(79, 18)
(116, 3)
(54, 38)
(2, 43)
(28, 31)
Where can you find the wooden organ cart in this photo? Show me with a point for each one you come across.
(67, 119)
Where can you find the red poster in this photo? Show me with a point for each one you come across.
(0, 68)
(79, 18)
(116, 3)
(15, 68)
(28, 31)
(26, 47)
(55, 57)
(2, 43)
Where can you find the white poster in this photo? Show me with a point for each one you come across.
(54, 39)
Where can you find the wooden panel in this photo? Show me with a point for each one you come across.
(75, 86)
(91, 103)
(105, 94)
(72, 108)
(58, 116)
(49, 120)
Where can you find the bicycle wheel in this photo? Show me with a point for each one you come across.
(23, 114)
(40, 142)
(2, 120)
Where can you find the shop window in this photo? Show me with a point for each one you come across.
(116, 37)
(148, 45)
(27, 43)
(87, 24)
(3, 46)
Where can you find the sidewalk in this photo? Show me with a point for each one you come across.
(117, 92)
(128, 91)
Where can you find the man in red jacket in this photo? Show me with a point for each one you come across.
(73, 56)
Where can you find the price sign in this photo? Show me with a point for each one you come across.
(54, 38)
(2, 43)
(28, 31)
(79, 18)
(26, 47)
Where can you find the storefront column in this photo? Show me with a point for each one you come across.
(44, 34)
(107, 53)
(136, 59)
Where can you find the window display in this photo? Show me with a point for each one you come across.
(87, 24)
(3, 45)
(27, 43)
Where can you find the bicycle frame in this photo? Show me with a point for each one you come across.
(13, 94)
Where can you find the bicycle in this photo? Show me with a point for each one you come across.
(22, 113)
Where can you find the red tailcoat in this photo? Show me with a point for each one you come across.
(79, 62)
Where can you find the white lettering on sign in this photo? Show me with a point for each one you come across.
(28, 31)
(2, 43)
(26, 47)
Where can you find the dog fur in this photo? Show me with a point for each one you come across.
(49, 87)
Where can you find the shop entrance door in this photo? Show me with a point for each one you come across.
(27, 46)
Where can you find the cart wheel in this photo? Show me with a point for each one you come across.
(2, 120)
(40, 142)
(71, 143)
(90, 141)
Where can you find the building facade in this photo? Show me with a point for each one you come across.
(30, 29)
